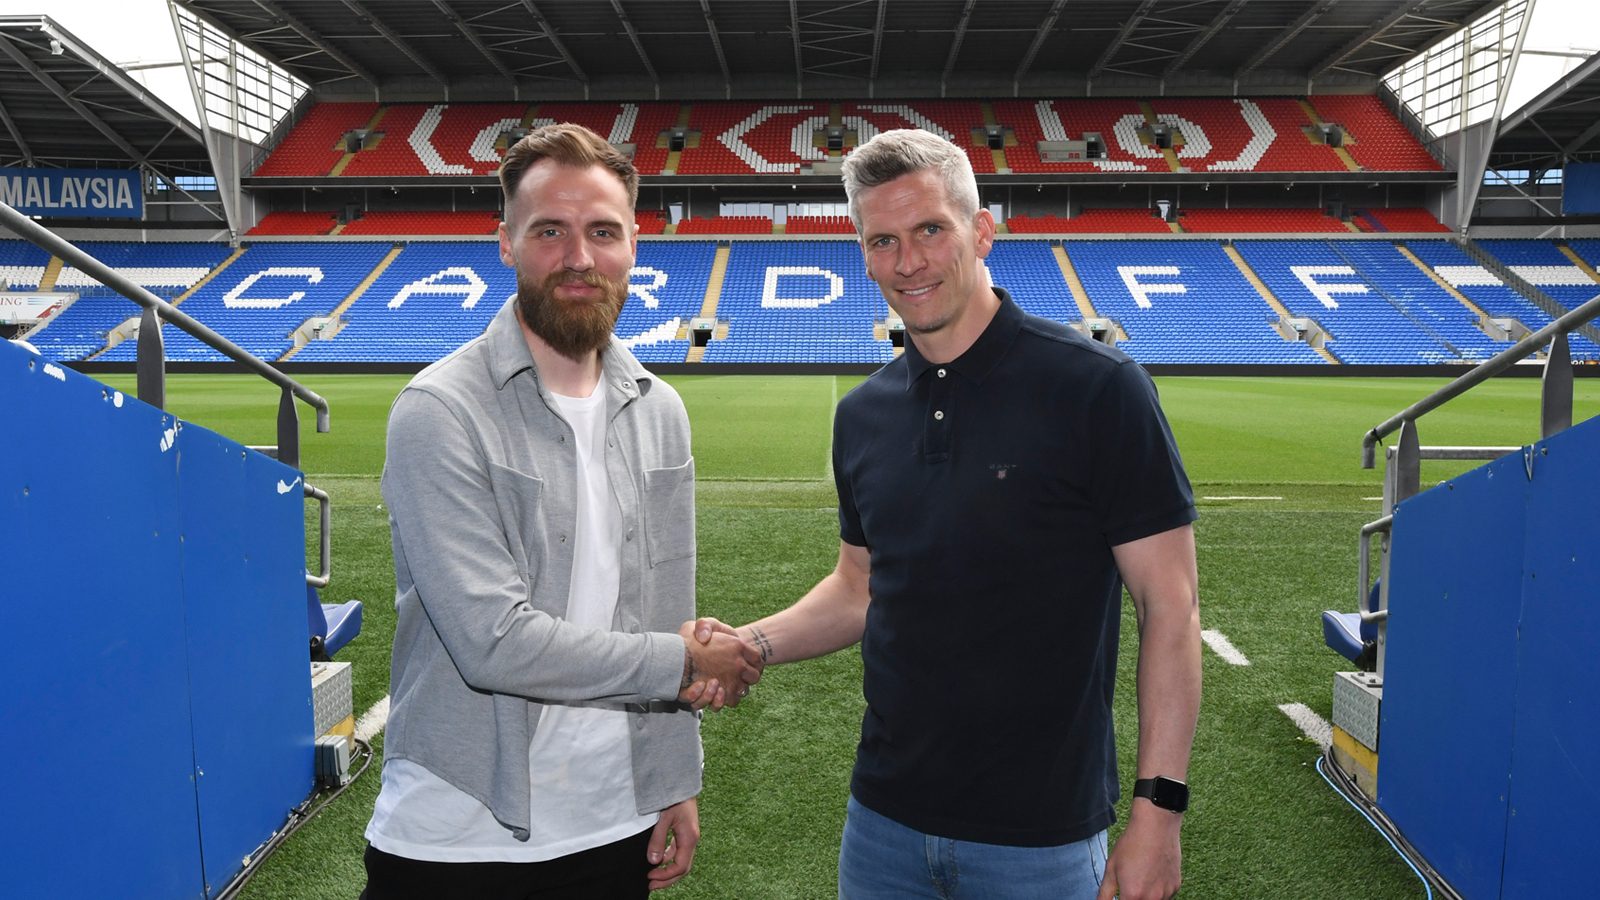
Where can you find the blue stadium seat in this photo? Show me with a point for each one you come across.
(799, 301)
(1478, 285)
(1311, 279)
(1196, 305)
(336, 624)
(165, 269)
(1347, 635)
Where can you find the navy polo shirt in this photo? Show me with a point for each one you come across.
(990, 491)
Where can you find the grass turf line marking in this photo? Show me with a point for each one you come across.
(374, 719)
(1315, 726)
(1241, 498)
(1220, 645)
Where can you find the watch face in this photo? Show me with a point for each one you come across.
(1170, 794)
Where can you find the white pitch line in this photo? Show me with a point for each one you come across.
(1220, 645)
(1241, 498)
(1372, 498)
(1315, 726)
(373, 720)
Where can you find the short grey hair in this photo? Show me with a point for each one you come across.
(903, 151)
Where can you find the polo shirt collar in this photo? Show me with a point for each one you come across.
(509, 355)
(984, 354)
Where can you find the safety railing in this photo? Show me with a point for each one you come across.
(1402, 476)
(150, 368)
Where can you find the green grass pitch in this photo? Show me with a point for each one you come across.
(1263, 823)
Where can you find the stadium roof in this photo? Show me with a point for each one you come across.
(1561, 123)
(762, 49)
(64, 105)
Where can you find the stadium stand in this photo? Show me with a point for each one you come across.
(1182, 302)
(165, 269)
(475, 221)
(1399, 280)
(1314, 281)
(265, 295)
(1483, 288)
(22, 264)
(1029, 271)
(1381, 142)
(650, 221)
(312, 148)
(799, 301)
(1588, 249)
(1092, 221)
(819, 225)
(285, 222)
(1217, 135)
(1259, 221)
(1405, 218)
(726, 225)
(435, 297)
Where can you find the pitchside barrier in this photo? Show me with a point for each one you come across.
(1484, 706)
(159, 718)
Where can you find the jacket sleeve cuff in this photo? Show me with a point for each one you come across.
(664, 666)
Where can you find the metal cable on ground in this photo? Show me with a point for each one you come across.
(1341, 785)
(298, 817)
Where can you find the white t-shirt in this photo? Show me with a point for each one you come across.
(581, 761)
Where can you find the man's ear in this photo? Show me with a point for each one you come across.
(984, 228)
(504, 231)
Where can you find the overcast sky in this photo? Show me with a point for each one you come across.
(140, 31)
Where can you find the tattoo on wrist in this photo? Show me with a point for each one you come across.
(688, 670)
(762, 643)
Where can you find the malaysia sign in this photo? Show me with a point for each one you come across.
(73, 192)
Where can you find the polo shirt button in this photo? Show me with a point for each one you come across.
(563, 539)
(938, 414)
(941, 373)
(639, 724)
(630, 534)
(561, 438)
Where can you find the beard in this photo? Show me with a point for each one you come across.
(572, 328)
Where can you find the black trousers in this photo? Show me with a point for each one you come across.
(616, 871)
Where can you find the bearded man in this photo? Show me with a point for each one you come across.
(543, 739)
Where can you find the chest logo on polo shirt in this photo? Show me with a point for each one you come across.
(1000, 469)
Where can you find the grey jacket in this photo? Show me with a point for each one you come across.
(480, 483)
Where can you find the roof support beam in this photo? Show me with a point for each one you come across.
(955, 45)
(1128, 28)
(633, 35)
(794, 32)
(877, 44)
(1038, 41)
(555, 41)
(1552, 93)
(1282, 39)
(1365, 38)
(120, 78)
(315, 39)
(1217, 23)
(64, 96)
(1582, 140)
(16, 135)
(471, 34)
(400, 43)
(716, 43)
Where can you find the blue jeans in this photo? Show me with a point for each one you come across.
(879, 859)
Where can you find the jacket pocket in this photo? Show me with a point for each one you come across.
(669, 512)
(517, 496)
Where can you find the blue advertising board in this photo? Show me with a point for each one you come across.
(1580, 191)
(113, 193)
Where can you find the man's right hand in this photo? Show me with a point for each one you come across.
(717, 671)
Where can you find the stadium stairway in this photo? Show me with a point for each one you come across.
(1272, 300)
(708, 307)
(334, 317)
(166, 731)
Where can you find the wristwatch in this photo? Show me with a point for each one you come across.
(1167, 793)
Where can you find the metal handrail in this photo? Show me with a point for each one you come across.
(325, 560)
(46, 239)
(1365, 566)
(1479, 373)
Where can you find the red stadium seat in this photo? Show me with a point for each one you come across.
(430, 222)
(1092, 221)
(1381, 142)
(311, 148)
(726, 225)
(1259, 221)
(294, 223)
(819, 225)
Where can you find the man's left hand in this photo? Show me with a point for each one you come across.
(673, 856)
(1147, 862)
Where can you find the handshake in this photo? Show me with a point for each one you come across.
(719, 664)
